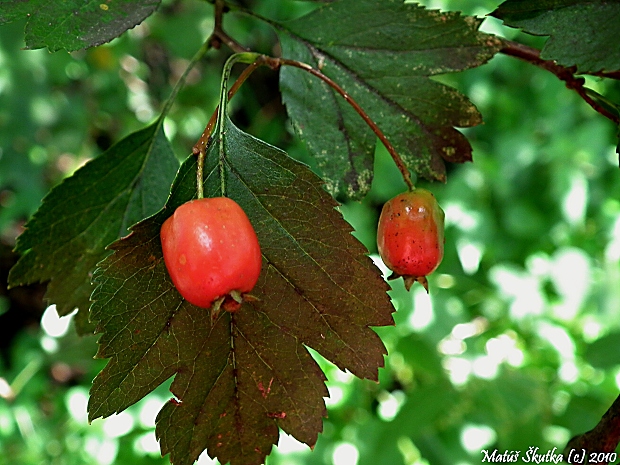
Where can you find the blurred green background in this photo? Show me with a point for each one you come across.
(515, 347)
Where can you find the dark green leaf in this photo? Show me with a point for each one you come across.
(603, 353)
(240, 380)
(426, 410)
(12, 10)
(75, 24)
(382, 54)
(583, 32)
(515, 404)
(68, 235)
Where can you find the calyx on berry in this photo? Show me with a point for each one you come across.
(211, 253)
(410, 236)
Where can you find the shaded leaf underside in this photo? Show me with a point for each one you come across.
(75, 24)
(382, 54)
(250, 373)
(583, 33)
(80, 217)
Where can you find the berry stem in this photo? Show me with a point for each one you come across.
(402, 167)
(274, 63)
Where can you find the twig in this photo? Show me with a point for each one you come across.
(218, 36)
(603, 439)
(532, 55)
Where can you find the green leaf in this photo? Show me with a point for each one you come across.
(385, 66)
(250, 373)
(603, 353)
(69, 233)
(425, 409)
(75, 24)
(583, 32)
(515, 404)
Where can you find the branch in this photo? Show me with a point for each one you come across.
(532, 55)
(218, 36)
(603, 438)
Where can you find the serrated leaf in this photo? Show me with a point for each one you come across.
(382, 54)
(86, 212)
(583, 33)
(75, 24)
(250, 373)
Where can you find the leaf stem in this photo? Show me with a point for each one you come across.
(244, 57)
(576, 83)
(205, 138)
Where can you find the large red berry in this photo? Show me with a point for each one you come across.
(211, 250)
(410, 235)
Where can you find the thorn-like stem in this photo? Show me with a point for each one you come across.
(568, 75)
(218, 35)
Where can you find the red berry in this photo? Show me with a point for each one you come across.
(211, 251)
(410, 235)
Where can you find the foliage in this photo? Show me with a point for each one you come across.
(535, 202)
(80, 217)
(581, 32)
(380, 66)
(75, 24)
(249, 368)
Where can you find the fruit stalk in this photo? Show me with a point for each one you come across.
(400, 164)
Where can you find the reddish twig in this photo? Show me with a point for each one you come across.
(602, 440)
(532, 55)
(219, 36)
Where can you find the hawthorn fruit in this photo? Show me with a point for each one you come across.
(410, 236)
(211, 253)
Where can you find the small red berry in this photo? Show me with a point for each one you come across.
(211, 252)
(410, 235)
